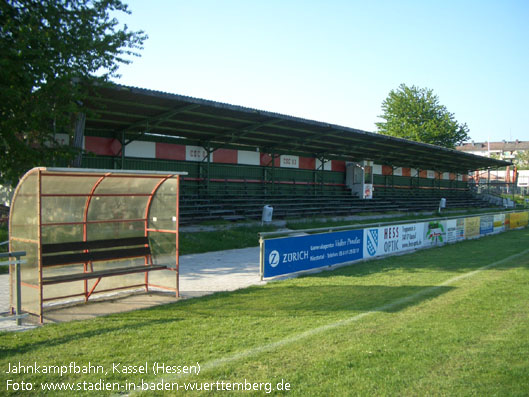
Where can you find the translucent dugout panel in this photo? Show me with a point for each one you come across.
(28, 276)
(164, 279)
(23, 217)
(163, 224)
(162, 211)
(72, 222)
(163, 248)
(110, 230)
(59, 209)
(61, 233)
(64, 291)
(127, 184)
(62, 183)
(117, 208)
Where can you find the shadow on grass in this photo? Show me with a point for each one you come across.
(302, 301)
(283, 303)
(51, 335)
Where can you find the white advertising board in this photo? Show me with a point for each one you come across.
(392, 239)
(434, 233)
(499, 223)
(455, 230)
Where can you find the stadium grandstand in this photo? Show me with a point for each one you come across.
(240, 159)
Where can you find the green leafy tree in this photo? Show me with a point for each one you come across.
(416, 114)
(522, 160)
(52, 51)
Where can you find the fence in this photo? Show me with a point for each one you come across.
(15, 264)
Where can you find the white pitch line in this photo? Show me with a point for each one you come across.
(315, 331)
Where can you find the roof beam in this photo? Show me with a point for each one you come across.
(158, 119)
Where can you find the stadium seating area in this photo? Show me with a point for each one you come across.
(428, 199)
(239, 201)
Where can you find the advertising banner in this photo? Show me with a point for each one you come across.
(486, 224)
(293, 254)
(472, 225)
(368, 191)
(392, 239)
(518, 219)
(434, 233)
(499, 223)
(455, 230)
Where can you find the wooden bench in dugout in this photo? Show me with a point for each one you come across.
(88, 252)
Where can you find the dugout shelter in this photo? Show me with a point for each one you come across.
(87, 232)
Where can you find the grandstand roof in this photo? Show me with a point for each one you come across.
(144, 114)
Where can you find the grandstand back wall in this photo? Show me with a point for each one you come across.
(251, 167)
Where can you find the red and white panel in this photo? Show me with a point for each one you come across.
(288, 161)
(197, 153)
(170, 151)
(227, 156)
(102, 146)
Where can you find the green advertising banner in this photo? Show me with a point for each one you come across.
(434, 233)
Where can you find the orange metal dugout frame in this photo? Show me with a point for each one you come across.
(21, 225)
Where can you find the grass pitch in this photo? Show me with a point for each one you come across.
(446, 321)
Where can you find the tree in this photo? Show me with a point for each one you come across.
(52, 52)
(522, 160)
(415, 113)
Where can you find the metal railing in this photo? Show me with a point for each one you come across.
(330, 229)
(17, 262)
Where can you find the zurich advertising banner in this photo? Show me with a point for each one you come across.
(293, 254)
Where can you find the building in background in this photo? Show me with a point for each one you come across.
(510, 151)
(516, 151)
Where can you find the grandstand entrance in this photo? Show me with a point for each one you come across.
(359, 178)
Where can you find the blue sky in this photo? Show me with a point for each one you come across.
(336, 61)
